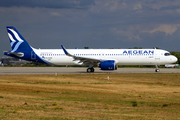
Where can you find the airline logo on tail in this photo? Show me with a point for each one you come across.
(15, 39)
(21, 48)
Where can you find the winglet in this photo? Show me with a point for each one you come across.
(64, 49)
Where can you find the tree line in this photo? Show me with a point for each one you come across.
(177, 54)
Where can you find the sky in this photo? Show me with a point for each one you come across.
(96, 24)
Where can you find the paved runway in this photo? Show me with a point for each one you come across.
(74, 70)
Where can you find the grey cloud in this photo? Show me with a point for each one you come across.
(93, 23)
(171, 7)
(77, 4)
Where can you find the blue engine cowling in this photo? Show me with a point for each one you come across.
(108, 65)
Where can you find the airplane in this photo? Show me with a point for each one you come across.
(106, 59)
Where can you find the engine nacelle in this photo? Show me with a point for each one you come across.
(108, 65)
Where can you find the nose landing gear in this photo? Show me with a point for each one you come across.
(157, 70)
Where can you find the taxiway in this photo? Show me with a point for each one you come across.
(74, 70)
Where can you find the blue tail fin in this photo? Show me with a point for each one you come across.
(20, 48)
(18, 43)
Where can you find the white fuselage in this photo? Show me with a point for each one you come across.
(121, 56)
(106, 59)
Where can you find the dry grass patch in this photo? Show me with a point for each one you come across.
(90, 96)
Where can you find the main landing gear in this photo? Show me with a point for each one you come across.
(157, 70)
(90, 70)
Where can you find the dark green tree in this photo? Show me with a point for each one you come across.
(177, 54)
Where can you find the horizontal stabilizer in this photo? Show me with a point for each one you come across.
(13, 53)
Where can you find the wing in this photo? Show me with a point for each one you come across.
(84, 60)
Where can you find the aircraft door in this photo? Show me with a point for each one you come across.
(157, 55)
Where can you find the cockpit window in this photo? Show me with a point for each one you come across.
(167, 54)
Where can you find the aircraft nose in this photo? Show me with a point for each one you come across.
(174, 59)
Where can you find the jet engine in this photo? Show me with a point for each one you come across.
(108, 65)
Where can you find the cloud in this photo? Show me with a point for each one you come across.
(163, 4)
(77, 4)
(135, 32)
(132, 23)
(137, 7)
(170, 7)
(168, 29)
(20, 10)
(108, 6)
(56, 14)
(178, 10)
(130, 33)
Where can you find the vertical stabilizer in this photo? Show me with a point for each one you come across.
(20, 48)
(18, 43)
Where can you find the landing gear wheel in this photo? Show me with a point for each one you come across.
(90, 70)
(157, 70)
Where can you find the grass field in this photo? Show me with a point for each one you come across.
(90, 96)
